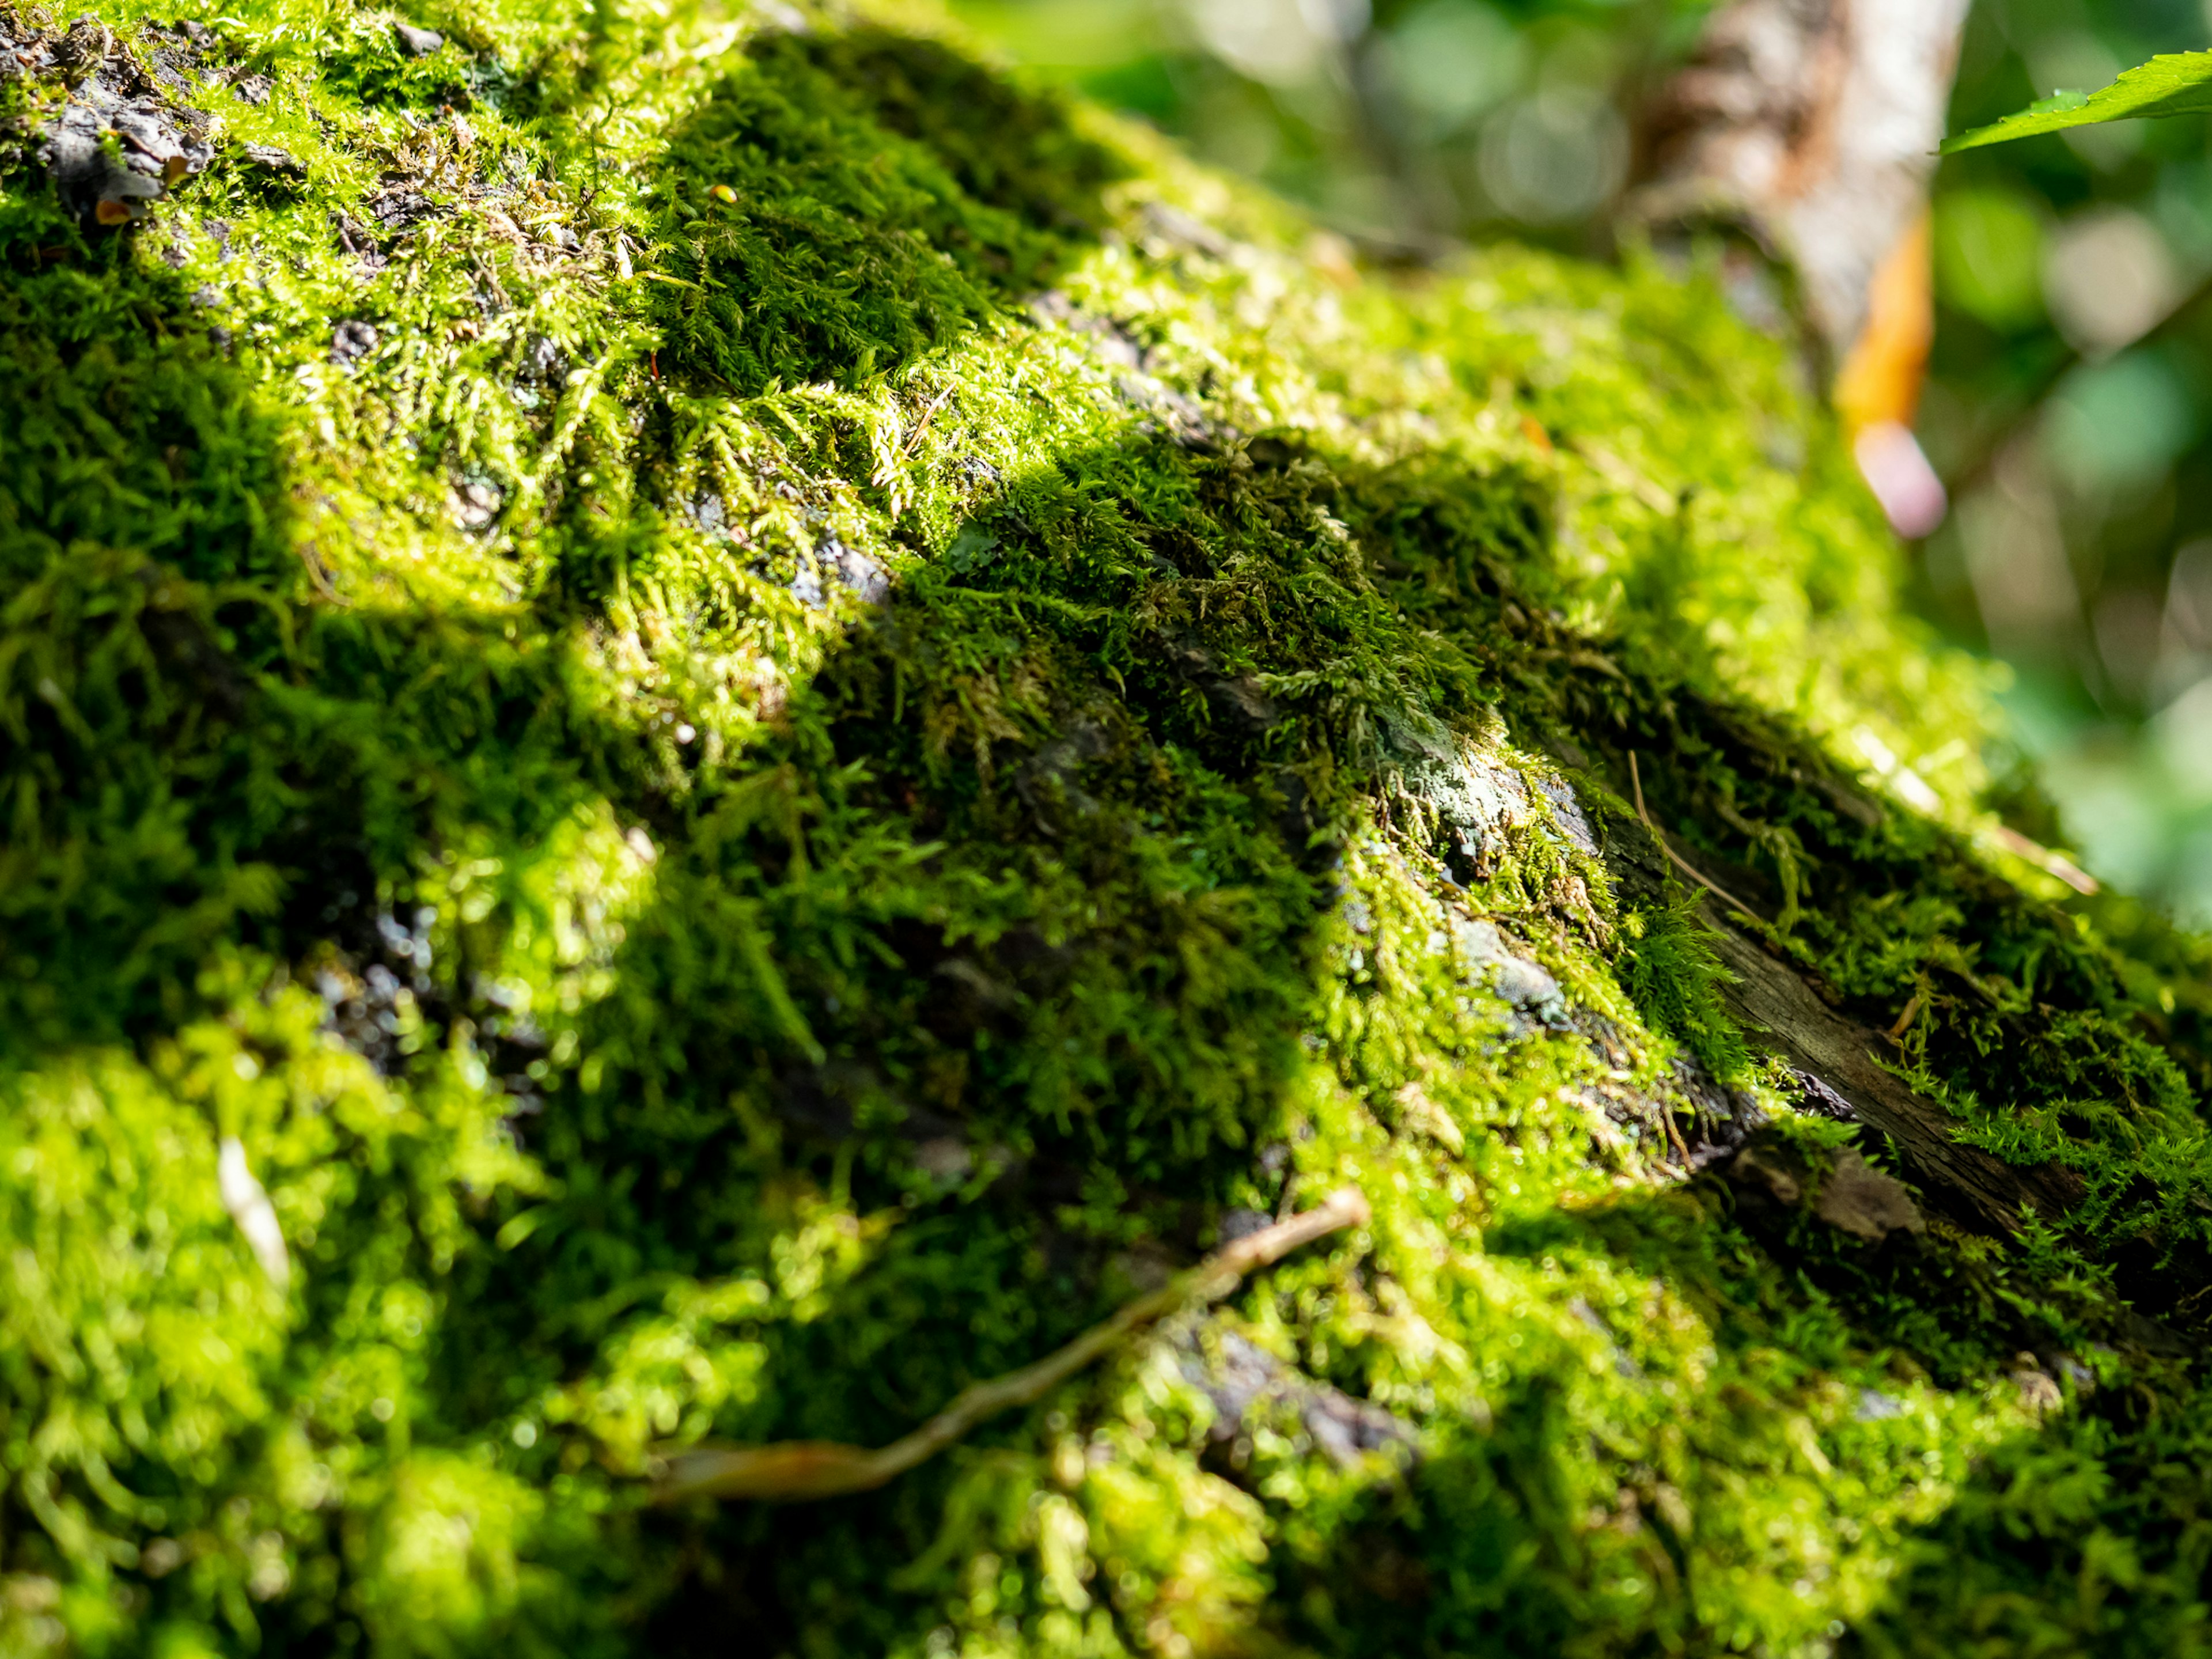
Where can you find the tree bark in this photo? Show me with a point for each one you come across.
(1811, 124)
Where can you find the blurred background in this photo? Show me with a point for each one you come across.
(2069, 402)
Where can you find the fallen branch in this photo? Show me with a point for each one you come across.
(803, 1469)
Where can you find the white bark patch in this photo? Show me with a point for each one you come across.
(248, 1203)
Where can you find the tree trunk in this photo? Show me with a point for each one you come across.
(1811, 125)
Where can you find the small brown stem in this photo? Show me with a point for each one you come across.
(921, 426)
(1680, 862)
(2050, 863)
(1896, 1033)
(803, 1469)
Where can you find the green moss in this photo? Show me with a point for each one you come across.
(750, 811)
(828, 241)
(1675, 978)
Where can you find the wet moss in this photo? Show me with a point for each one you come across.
(754, 716)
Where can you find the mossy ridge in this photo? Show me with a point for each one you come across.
(664, 995)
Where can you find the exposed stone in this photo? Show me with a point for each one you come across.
(1246, 1383)
(1864, 1202)
(118, 144)
(350, 340)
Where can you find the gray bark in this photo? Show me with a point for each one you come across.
(1813, 124)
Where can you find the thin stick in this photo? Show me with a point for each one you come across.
(801, 1469)
(922, 425)
(2050, 863)
(1681, 863)
(1896, 1033)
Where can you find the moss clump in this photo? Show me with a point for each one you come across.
(712, 724)
(1674, 979)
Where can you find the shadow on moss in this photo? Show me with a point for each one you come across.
(844, 203)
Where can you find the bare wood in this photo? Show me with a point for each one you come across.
(804, 1469)
(1770, 997)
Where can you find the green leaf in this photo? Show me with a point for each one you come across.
(2176, 83)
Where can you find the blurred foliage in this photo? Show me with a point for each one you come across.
(2068, 407)
(1407, 122)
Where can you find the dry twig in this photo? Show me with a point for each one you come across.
(803, 1469)
(1680, 862)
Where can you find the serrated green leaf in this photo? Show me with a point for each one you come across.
(2175, 83)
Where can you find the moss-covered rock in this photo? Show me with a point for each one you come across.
(714, 723)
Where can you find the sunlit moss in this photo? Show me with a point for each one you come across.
(766, 715)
